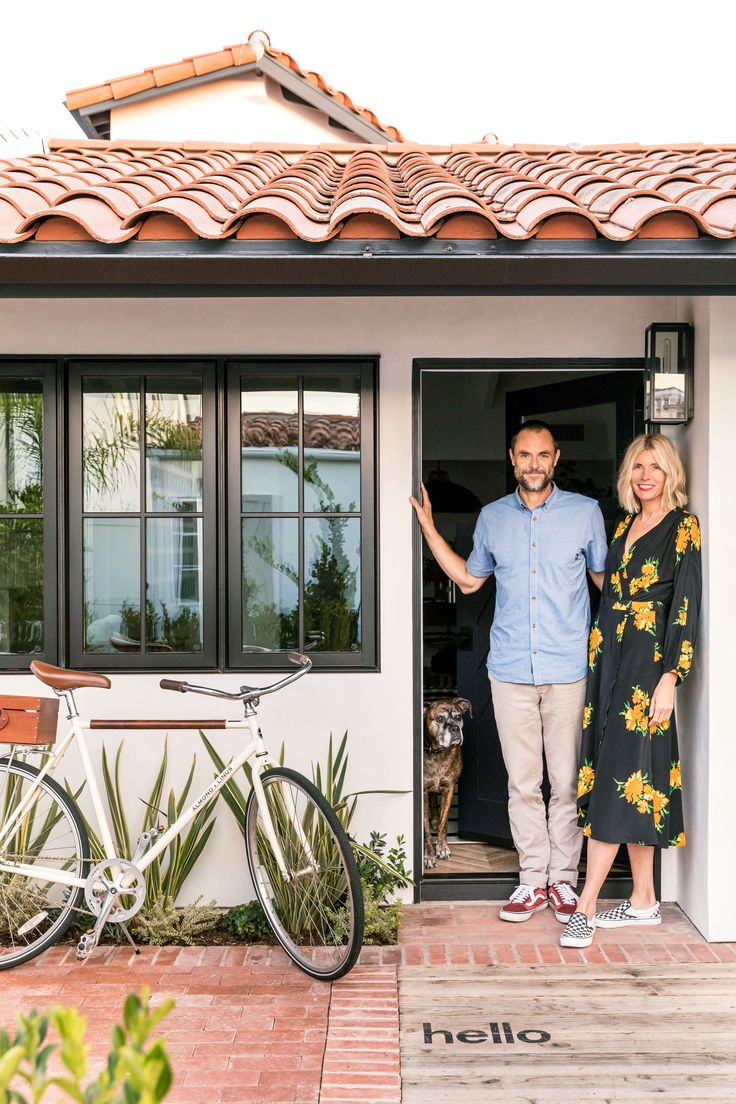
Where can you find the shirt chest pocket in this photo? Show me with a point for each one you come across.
(565, 554)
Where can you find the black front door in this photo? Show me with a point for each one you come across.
(594, 418)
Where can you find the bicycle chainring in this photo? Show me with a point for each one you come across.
(121, 878)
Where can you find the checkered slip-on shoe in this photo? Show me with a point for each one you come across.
(579, 931)
(625, 914)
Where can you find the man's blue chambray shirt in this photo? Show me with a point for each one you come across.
(540, 559)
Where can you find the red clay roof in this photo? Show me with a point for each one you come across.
(110, 193)
(202, 65)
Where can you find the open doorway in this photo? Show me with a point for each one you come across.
(467, 414)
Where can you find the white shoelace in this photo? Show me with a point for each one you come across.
(521, 893)
(566, 892)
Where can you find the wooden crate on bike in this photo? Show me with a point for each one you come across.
(27, 720)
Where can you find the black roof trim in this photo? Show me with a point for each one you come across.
(703, 266)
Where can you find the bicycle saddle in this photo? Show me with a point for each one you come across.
(59, 678)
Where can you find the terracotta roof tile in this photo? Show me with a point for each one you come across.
(201, 65)
(111, 193)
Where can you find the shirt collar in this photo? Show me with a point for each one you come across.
(549, 501)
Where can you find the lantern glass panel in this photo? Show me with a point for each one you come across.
(669, 398)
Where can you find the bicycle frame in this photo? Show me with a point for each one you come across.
(256, 749)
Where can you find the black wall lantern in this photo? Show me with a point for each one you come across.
(668, 380)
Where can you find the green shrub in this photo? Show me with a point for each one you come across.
(248, 922)
(137, 1070)
(159, 922)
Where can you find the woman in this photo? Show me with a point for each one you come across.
(641, 646)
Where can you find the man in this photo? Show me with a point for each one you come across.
(538, 543)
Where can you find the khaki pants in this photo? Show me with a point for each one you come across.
(532, 719)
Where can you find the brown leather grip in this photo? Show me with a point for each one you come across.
(297, 657)
(4, 718)
(172, 684)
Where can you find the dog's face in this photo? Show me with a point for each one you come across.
(443, 722)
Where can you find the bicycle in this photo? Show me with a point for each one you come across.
(299, 856)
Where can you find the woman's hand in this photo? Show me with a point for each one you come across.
(663, 699)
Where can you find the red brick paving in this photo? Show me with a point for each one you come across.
(250, 1028)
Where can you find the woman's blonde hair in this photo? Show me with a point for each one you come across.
(668, 458)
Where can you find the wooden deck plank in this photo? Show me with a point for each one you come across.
(533, 1035)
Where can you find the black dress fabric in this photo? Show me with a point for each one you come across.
(629, 782)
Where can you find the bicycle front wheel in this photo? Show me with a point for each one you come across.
(49, 836)
(304, 874)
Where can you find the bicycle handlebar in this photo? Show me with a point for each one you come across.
(246, 692)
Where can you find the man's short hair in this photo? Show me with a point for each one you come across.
(536, 427)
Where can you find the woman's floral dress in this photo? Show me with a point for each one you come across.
(629, 783)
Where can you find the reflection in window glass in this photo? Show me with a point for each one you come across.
(112, 613)
(111, 428)
(174, 446)
(332, 443)
(332, 584)
(270, 558)
(269, 445)
(174, 576)
(21, 585)
(21, 447)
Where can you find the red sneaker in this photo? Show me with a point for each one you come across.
(564, 900)
(524, 902)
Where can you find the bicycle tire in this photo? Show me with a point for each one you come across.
(318, 917)
(56, 921)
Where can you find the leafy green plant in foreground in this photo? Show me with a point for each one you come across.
(137, 1071)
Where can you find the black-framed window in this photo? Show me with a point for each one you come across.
(301, 511)
(142, 514)
(28, 513)
(188, 513)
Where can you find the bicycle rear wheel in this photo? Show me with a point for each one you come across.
(34, 912)
(316, 908)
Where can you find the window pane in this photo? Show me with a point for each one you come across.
(112, 612)
(21, 585)
(269, 445)
(174, 446)
(332, 585)
(111, 442)
(174, 590)
(270, 558)
(21, 446)
(332, 443)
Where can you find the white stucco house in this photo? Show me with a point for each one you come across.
(250, 317)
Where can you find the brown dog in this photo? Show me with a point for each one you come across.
(443, 765)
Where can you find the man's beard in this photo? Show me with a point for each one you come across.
(536, 482)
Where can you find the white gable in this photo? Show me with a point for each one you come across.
(241, 108)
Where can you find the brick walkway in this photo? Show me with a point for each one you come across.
(249, 1028)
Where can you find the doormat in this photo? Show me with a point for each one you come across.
(538, 1034)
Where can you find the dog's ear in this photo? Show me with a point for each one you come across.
(465, 706)
(427, 707)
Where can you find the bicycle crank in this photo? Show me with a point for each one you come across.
(116, 887)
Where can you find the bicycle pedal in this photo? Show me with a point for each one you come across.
(86, 944)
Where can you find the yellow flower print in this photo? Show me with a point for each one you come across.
(688, 532)
(586, 830)
(587, 716)
(659, 729)
(635, 712)
(644, 617)
(620, 630)
(639, 696)
(637, 790)
(657, 653)
(685, 660)
(616, 583)
(622, 527)
(678, 841)
(633, 787)
(675, 776)
(586, 778)
(594, 645)
(625, 561)
(649, 576)
(681, 618)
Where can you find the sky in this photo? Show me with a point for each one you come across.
(573, 72)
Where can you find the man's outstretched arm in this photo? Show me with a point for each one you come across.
(453, 565)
